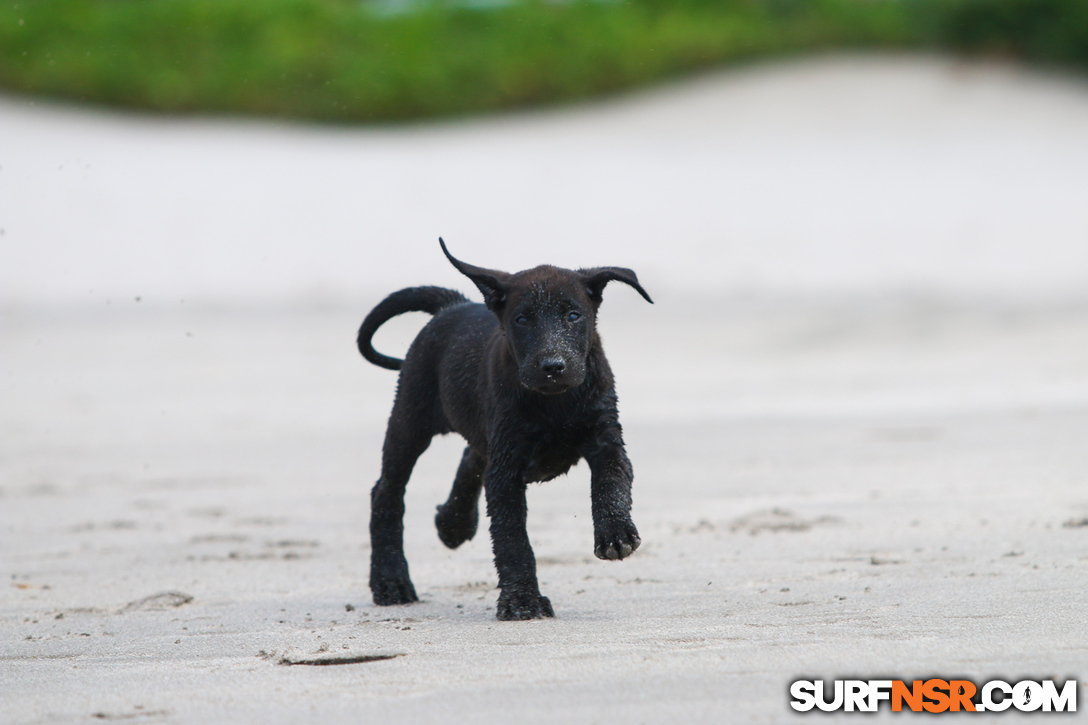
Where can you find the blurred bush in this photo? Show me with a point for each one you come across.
(1052, 31)
(344, 60)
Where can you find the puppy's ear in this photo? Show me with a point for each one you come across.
(595, 279)
(491, 282)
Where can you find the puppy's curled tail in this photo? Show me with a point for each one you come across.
(412, 299)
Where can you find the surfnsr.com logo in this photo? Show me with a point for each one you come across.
(934, 695)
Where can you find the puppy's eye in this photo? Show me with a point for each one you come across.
(573, 316)
(521, 320)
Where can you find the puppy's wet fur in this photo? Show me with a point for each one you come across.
(524, 380)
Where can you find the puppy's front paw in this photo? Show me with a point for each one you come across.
(616, 541)
(517, 605)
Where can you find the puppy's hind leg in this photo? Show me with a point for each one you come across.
(405, 441)
(458, 518)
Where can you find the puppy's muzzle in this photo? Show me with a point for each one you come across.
(553, 366)
(553, 375)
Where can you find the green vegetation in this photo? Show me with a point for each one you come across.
(342, 60)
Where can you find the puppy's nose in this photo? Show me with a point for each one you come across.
(552, 365)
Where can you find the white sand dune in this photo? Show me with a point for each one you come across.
(836, 175)
(857, 412)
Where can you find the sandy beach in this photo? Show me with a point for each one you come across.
(857, 411)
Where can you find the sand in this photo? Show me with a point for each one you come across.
(869, 462)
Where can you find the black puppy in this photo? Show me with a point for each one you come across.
(525, 381)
